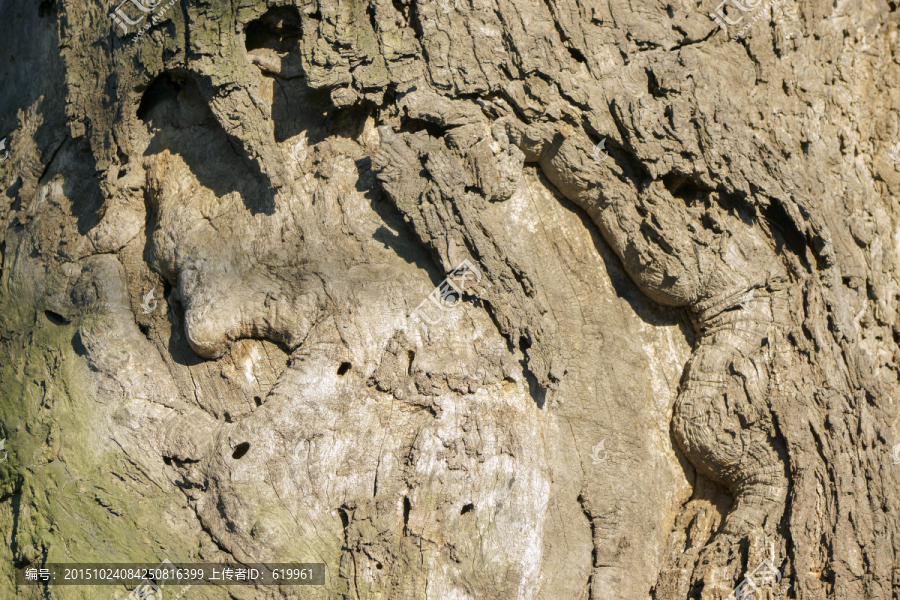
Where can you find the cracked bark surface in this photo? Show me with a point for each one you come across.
(681, 359)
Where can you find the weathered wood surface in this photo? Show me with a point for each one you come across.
(678, 357)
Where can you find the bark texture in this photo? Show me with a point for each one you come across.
(675, 350)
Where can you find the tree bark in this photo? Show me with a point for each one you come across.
(535, 300)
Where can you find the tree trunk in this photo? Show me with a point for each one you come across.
(486, 300)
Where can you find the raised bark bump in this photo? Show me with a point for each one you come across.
(731, 288)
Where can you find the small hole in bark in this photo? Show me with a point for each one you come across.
(681, 186)
(379, 566)
(524, 343)
(167, 460)
(240, 450)
(162, 89)
(258, 400)
(342, 370)
(55, 318)
(467, 508)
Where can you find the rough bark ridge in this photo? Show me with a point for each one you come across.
(686, 250)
